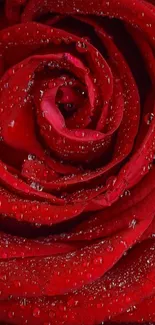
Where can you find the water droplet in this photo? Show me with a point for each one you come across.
(14, 207)
(127, 193)
(98, 260)
(17, 284)
(31, 157)
(132, 223)
(111, 181)
(6, 85)
(89, 276)
(36, 312)
(11, 124)
(51, 314)
(71, 302)
(62, 308)
(36, 186)
(148, 118)
(19, 216)
(81, 46)
(15, 88)
(11, 314)
(3, 277)
(23, 303)
(110, 248)
(128, 299)
(99, 305)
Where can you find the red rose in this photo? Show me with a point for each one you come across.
(77, 144)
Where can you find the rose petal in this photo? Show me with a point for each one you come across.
(126, 285)
(46, 279)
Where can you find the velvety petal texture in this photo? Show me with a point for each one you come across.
(77, 154)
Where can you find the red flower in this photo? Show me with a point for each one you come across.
(77, 180)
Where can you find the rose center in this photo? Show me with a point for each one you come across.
(69, 99)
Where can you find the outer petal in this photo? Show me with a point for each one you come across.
(56, 275)
(127, 284)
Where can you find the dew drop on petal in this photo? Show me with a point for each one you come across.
(36, 186)
(17, 284)
(132, 223)
(148, 118)
(36, 312)
(11, 314)
(81, 46)
(89, 276)
(51, 314)
(12, 123)
(98, 260)
(110, 248)
(31, 157)
(99, 305)
(127, 193)
(111, 181)
(71, 302)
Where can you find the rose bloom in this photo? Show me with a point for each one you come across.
(77, 152)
